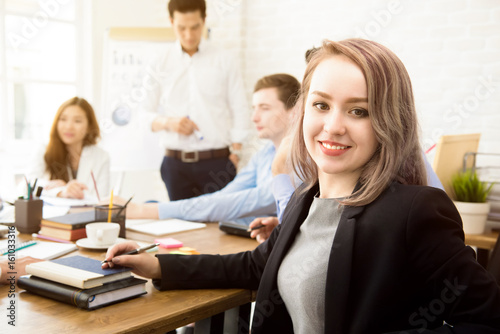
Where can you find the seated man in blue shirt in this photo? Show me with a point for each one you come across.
(249, 194)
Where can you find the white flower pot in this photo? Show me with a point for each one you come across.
(474, 216)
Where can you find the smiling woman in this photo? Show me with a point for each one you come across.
(359, 118)
(338, 131)
(71, 157)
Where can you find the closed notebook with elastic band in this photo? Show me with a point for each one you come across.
(89, 299)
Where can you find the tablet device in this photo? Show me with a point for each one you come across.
(234, 228)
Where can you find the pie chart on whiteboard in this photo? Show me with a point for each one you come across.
(121, 115)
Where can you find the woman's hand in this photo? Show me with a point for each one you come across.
(143, 264)
(74, 189)
(20, 264)
(263, 233)
(54, 184)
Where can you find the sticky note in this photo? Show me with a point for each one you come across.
(168, 242)
(187, 249)
(184, 253)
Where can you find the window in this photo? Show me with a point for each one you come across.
(40, 67)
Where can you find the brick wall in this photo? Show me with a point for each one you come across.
(451, 49)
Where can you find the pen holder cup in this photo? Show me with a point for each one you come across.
(117, 216)
(28, 215)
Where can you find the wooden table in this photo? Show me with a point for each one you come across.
(484, 242)
(155, 312)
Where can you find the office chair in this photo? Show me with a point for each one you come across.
(494, 262)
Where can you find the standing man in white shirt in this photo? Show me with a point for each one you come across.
(201, 98)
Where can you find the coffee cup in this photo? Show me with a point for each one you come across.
(102, 234)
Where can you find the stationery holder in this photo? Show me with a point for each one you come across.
(118, 213)
(28, 215)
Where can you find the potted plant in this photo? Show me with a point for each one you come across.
(470, 199)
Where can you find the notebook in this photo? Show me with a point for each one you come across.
(71, 202)
(40, 249)
(161, 227)
(149, 230)
(77, 271)
(89, 298)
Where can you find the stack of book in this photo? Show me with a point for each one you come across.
(69, 227)
(81, 281)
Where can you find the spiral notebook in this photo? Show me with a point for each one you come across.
(43, 250)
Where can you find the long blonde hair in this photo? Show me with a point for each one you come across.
(392, 112)
(56, 154)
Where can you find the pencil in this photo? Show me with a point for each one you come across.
(40, 236)
(110, 206)
(95, 185)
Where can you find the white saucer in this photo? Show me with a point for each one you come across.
(86, 243)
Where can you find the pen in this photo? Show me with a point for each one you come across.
(124, 206)
(27, 186)
(250, 229)
(197, 132)
(95, 185)
(29, 192)
(33, 188)
(430, 148)
(136, 251)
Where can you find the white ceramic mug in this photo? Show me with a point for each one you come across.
(102, 234)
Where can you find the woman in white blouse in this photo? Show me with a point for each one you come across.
(66, 166)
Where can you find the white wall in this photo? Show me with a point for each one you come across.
(451, 48)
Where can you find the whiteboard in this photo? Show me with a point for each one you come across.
(125, 129)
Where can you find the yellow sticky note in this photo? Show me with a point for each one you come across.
(187, 249)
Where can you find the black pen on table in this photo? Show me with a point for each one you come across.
(136, 251)
(250, 229)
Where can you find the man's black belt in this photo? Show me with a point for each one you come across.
(195, 156)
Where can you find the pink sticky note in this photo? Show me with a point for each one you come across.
(169, 243)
